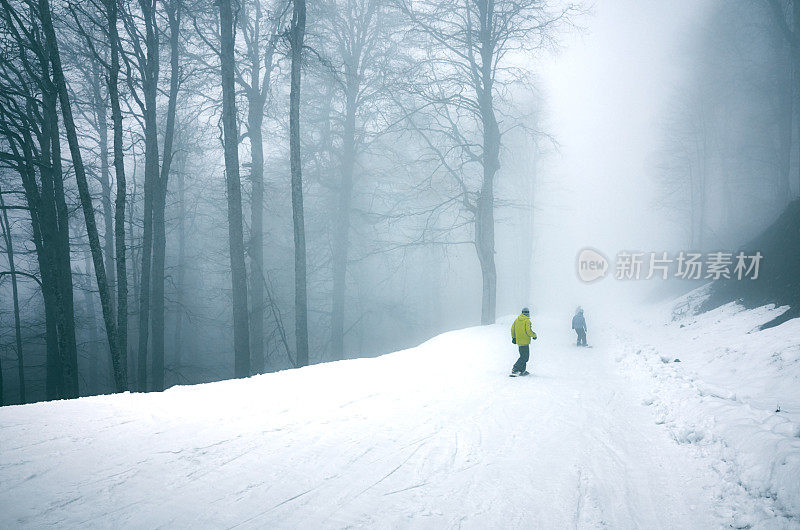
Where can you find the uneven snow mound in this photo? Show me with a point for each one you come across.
(735, 395)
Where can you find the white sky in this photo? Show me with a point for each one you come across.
(605, 94)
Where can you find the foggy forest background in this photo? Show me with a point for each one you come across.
(193, 190)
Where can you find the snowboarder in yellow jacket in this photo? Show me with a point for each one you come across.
(521, 335)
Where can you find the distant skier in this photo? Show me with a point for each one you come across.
(579, 325)
(521, 335)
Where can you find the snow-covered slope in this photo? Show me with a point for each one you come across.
(735, 396)
(437, 436)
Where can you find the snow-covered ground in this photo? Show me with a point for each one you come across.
(735, 397)
(439, 436)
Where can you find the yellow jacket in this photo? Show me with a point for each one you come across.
(521, 331)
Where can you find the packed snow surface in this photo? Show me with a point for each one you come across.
(439, 436)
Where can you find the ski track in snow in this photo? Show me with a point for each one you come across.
(437, 436)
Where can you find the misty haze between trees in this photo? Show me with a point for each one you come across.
(196, 190)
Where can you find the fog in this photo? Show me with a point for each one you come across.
(380, 197)
(608, 94)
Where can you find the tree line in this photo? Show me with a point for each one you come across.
(188, 187)
(730, 157)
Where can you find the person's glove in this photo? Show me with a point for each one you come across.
(513, 340)
(534, 336)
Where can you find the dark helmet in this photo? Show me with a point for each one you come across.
(526, 311)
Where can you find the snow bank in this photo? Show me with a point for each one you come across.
(734, 394)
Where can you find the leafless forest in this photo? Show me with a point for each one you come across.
(194, 190)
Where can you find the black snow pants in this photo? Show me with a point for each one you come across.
(581, 336)
(524, 354)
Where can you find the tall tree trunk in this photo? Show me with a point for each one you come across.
(484, 219)
(255, 118)
(795, 49)
(787, 32)
(297, 33)
(40, 214)
(257, 92)
(67, 318)
(160, 200)
(136, 272)
(120, 362)
(151, 166)
(93, 379)
(100, 113)
(241, 327)
(786, 102)
(55, 231)
(53, 375)
(342, 223)
(484, 243)
(80, 175)
(180, 279)
(15, 297)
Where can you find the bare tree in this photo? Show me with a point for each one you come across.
(726, 155)
(361, 50)
(102, 32)
(180, 162)
(6, 230)
(143, 50)
(683, 166)
(30, 110)
(260, 32)
(241, 328)
(296, 35)
(121, 364)
(469, 46)
(173, 8)
(80, 176)
(786, 15)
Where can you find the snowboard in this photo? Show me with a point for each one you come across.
(519, 375)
